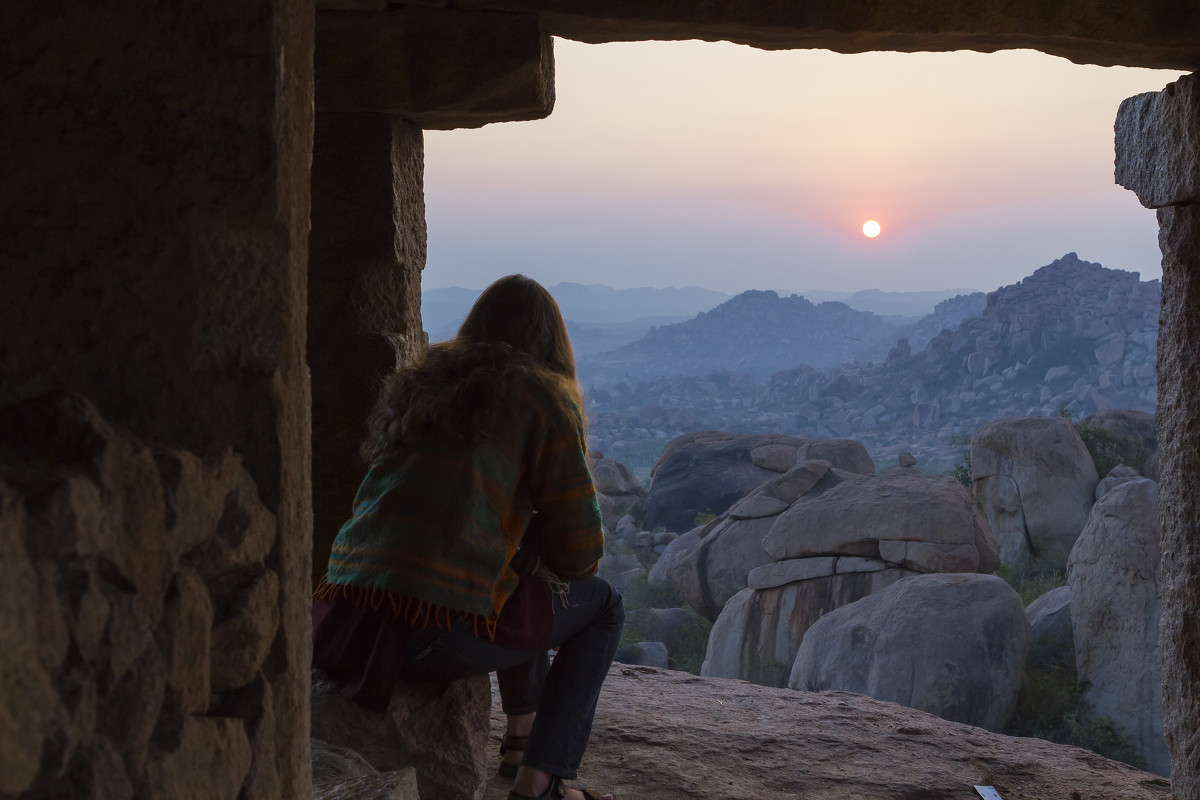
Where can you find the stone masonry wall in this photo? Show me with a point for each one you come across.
(141, 622)
(155, 201)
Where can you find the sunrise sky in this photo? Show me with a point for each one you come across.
(668, 164)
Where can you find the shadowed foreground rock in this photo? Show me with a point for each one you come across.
(663, 735)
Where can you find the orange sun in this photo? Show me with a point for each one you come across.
(871, 229)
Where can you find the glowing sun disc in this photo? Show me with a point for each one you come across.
(871, 229)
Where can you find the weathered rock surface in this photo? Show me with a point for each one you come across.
(923, 522)
(342, 774)
(759, 630)
(671, 736)
(705, 472)
(1053, 636)
(1158, 137)
(439, 729)
(1115, 611)
(618, 491)
(1115, 477)
(953, 645)
(613, 479)
(765, 579)
(1179, 410)
(848, 455)
(114, 671)
(1036, 482)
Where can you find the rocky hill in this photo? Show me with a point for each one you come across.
(756, 332)
(1072, 337)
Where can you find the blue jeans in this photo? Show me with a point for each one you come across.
(587, 628)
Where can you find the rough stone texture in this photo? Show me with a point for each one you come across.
(781, 573)
(952, 645)
(167, 285)
(672, 559)
(671, 736)
(814, 512)
(245, 618)
(440, 729)
(898, 505)
(396, 785)
(1179, 503)
(1036, 481)
(437, 67)
(775, 457)
(204, 759)
(614, 479)
(1115, 477)
(367, 250)
(113, 662)
(1115, 612)
(30, 710)
(186, 641)
(1050, 625)
(1134, 34)
(619, 492)
(644, 654)
(705, 472)
(849, 455)
(1158, 144)
(331, 763)
(758, 632)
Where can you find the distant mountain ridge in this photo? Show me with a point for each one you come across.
(889, 304)
(1072, 337)
(443, 310)
(756, 332)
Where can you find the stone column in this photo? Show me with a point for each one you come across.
(155, 202)
(382, 77)
(367, 250)
(1158, 157)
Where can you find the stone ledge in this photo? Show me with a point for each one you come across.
(439, 68)
(1158, 144)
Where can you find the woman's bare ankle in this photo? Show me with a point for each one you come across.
(530, 782)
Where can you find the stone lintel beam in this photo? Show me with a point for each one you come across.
(1158, 144)
(1142, 33)
(440, 68)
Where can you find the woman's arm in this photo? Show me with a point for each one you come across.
(566, 530)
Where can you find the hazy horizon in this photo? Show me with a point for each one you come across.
(668, 164)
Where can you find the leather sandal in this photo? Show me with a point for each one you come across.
(555, 791)
(515, 744)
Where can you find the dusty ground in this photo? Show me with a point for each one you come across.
(663, 735)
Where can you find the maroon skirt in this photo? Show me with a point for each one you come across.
(365, 647)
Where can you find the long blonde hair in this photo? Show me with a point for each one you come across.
(514, 331)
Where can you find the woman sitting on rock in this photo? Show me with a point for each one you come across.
(475, 538)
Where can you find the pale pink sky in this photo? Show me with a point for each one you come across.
(667, 164)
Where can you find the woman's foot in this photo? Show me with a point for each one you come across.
(512, 746)
(534, 784)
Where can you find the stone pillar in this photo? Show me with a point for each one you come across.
(367, 250)
(155, 203)
(381, 77)
(1158, 157)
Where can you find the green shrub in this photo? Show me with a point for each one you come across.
(1051, 707)
(1110, 446)
(1033, 579)
(961, 471)
(686, 651)
(704, 517)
